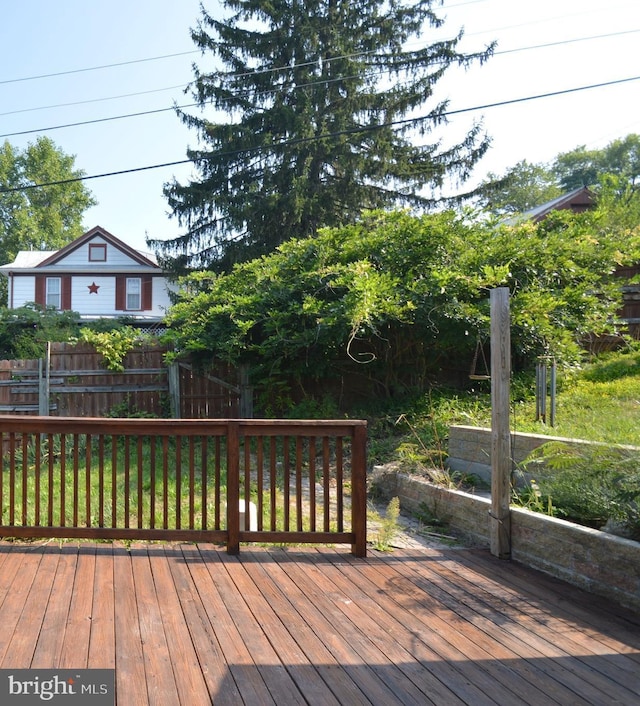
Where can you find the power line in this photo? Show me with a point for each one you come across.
(310, 84)
(297, 141)
(96, 68)
(98, 120)
(306, 85)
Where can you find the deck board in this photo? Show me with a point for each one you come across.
(189, 625)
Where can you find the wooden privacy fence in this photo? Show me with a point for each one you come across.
(72, 381)
(222, 481)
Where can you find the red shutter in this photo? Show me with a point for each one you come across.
(147, 290)
(65, 298)
(40, 290)
(121, 286)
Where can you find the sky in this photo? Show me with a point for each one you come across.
(73, 61)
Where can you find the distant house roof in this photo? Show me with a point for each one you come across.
(31, 259)
(142, 259)
(578, 200)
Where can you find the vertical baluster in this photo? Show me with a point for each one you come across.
(339, 485)
(63, 480)
(140, 471)
(178, 523)
(273, 480)
(152, 482)
(165, 482)
(287, 480)
(312, 484)
(76, 481)
(114, 481)
(204, 443)
(37, 481)
(192, 482)
(260, 479)
(50, 489)
(87, 471)
(25, 477)
(101, 480)
(326, 483)
(299, 483)
(12, 478)
(247, 483)
(127, 479)
(218, 483)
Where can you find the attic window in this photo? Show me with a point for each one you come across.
(97, 252)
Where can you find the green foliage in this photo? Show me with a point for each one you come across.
(592, 484)
(39, 218)
(114, 345)
(127, 410)
(24, 332)
(392, 299)
(583, 167)
(530, 497)
(527, 185)
(521, 188)
(316, 101)
(386, 527)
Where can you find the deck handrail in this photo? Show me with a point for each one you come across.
(184, 480)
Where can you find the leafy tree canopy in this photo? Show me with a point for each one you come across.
(522, 187)
(39, 218)
(526, 185)
(397, 298)
(321, 115)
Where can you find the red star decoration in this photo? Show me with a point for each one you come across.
(93, 288)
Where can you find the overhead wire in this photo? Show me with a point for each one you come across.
(309, 84)
(361, 129)
(276, 89)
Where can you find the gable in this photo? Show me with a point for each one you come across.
(97, 248)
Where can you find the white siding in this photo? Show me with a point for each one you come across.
(24, 290)
(80, 257)
(160, 296)
(101, 304)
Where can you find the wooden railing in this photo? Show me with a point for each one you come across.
(221, 481)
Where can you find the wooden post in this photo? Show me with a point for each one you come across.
(499, 515)
(44, 388)
(359, 491)
(173, 378)
(246, 393)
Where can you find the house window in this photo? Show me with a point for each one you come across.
(97, 252)
(134, 293)
(53, 292)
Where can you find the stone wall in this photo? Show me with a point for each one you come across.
(469, 448)
(598, 562)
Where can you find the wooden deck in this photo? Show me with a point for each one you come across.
(192, 625)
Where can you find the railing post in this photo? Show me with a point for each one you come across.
(359, 491)
(233, 488)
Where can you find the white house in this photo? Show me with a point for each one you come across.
(97, 275)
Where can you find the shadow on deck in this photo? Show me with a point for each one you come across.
(192, 625)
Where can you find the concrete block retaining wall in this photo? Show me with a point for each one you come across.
(598, 562)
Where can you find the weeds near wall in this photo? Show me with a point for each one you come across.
(386, 527)
(596, 485)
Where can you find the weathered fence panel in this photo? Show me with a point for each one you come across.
(74, 380)
(184, 480)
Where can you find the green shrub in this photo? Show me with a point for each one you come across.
(593, 485)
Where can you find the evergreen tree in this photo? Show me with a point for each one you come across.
(316, 121)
